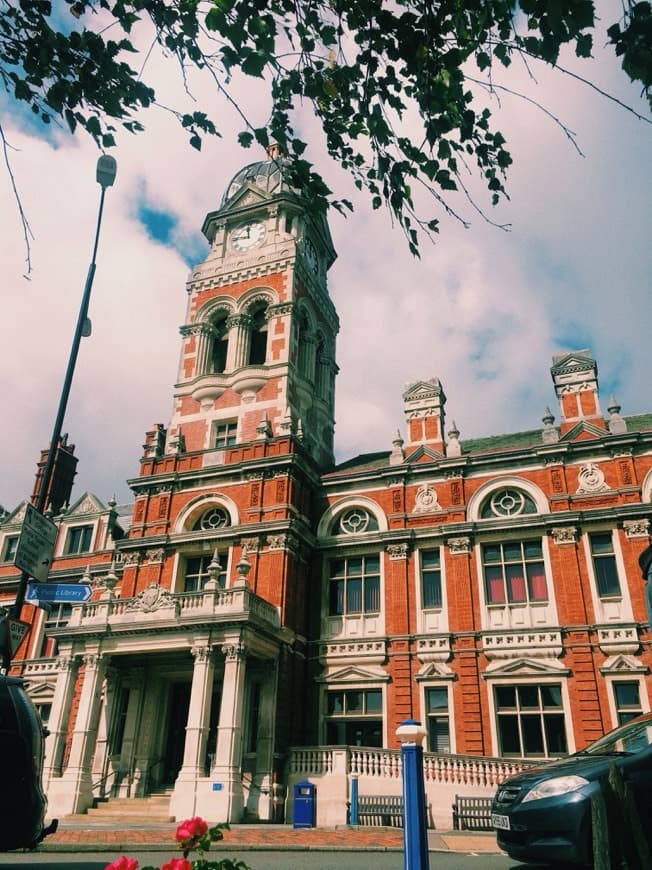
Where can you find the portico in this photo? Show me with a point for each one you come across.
(177, 704)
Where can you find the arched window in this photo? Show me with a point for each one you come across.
(220, 345)
(258, 337)
(355, 521)
(303, 346)
(213, 518)
(507, 502)
(321, 369)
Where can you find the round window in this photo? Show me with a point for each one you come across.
(356, 521)
(508, 503)
(214, 518)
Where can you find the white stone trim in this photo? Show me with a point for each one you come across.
(201, 503)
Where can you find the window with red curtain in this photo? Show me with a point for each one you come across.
(536, 579)
(514, 572)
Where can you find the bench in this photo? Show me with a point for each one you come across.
(472, 813)
(379, 809)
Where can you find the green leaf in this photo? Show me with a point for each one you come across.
(254, 63)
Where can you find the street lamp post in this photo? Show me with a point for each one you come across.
(105, 176)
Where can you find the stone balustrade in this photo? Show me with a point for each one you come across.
(157, 604)
(379, 773)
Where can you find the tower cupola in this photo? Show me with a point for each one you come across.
(258, 341)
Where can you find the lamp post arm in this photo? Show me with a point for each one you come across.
(72, 361)
(105, 177)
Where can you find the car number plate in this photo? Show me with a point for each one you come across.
(501, 822)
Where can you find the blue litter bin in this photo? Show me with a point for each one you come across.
(304, 805)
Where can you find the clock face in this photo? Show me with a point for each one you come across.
(311, 255)
(247, 236)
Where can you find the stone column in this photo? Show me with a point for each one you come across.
(147, 767)
(134, 680)
(199, 713)
(101, 761)
(265, 744)
(239, 329)
(183, 801)
(73, 791)
(58, 724)
(205, 335)
(228, 757)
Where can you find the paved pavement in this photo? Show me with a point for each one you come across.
(94, 836)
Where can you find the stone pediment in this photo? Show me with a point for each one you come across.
(623, 664)
(435, 671)
(574, 361)
(526, 667)
(16, 517)
(424, 453)
(248, 195)
(86, 504)
(583, 431)
(38, 691)
(422, 390)
(355, 674)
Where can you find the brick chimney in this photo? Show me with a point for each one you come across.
(575, 376)
(63, 474)
(423, 406)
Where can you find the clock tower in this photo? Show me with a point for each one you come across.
(258, 356)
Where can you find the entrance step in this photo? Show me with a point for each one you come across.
(154, 808)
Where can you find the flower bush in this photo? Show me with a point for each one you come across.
(192, 835)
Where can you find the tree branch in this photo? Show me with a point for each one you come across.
(27, 231)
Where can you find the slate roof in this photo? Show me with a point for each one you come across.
(475, 446)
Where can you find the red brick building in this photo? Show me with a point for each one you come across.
(257, 597)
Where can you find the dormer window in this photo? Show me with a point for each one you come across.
(79, 540)
(9, 548)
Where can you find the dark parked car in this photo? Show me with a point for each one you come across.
(22, 802)
(544, 814)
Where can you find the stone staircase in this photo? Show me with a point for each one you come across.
(153, 809)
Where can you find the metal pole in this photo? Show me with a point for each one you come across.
(106, 169)
(415, 830)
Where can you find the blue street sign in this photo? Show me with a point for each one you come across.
(58, 592)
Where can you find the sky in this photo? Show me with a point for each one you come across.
(483, 310)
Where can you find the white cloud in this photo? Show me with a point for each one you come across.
(483, 310)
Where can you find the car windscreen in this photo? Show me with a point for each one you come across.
(632, 737)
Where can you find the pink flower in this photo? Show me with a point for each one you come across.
(124, 863)
(177, 864)
(191, 831)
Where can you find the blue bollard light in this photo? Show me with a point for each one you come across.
(415, 829)
(353, 820)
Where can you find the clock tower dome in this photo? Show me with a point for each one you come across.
(258, 355)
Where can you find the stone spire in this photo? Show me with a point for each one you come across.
(549, 435)
(397, 456)
(616, 423)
